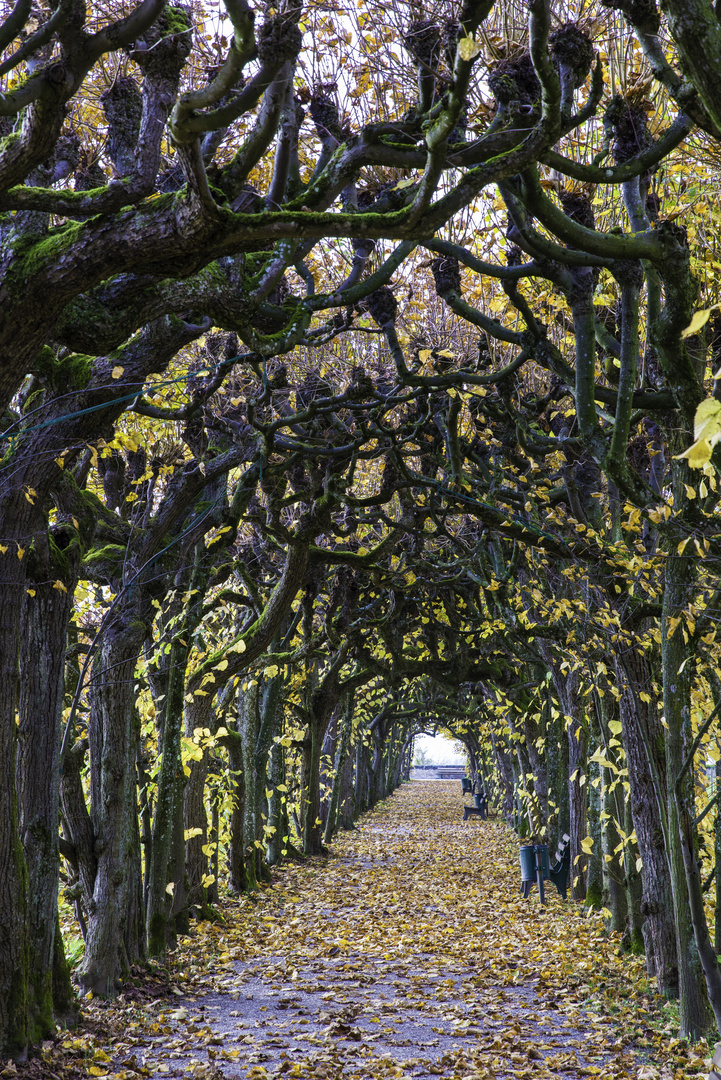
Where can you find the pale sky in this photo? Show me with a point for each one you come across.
(439, 749)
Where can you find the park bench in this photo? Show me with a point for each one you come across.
(476, 811)
(536, 868)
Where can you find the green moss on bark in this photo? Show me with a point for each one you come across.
(156, 935)
(635, 943)
(70, 373)
(32, 257)
(594, 897)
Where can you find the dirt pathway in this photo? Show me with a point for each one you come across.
(409, 953)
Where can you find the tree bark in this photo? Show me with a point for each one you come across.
(159, 923)
(113, 940)
(13, 872)
(695, 1014)
(44, 627)
(643, 737)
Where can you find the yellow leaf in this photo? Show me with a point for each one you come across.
(59, 586)
(30, 592)
(707, 421)
(587, 845)
(170, 887)
(468, 48)
(117, 372)
(699, 320)
(698, 454)
(190, 833)
(21, 552)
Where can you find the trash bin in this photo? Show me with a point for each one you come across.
(528, 862)
(535, 869)
(466, 786)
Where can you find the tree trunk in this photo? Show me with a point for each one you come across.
(567, 688)
(159, 922)
(339, 770)
(505, 774)
(634, 891)
(643, 737)
(614, 870)
(249, 728)
(113, 942)
(44, 627)
(717, 860)
(196, 716)
(595, 879)
(276, 777)
(236, 846)
(13, 873)
(346, 800)
(312, 835)
(695, 1015)
(537, 762)
(612, 806)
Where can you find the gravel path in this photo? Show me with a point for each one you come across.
(408, 953)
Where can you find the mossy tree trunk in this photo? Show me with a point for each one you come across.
(645, 745)
(18, 515)
(612, 814)
(159, 920)
(113, 942)
(573, 722)
(634, 940)
(595, 878)
(680, 572)
(254, 781)
(236, 853)
(339, 769)
(196, 716)
(45, 619)
(276, 779)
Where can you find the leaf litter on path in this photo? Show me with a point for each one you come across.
(408, 953)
